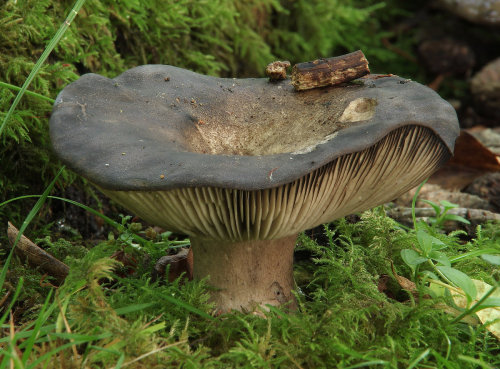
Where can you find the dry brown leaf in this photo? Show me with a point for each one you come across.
(471, 160)
(472, 320)
(490, 317)
(405, 283)
(180, 263)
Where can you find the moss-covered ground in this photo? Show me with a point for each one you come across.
(108, 314)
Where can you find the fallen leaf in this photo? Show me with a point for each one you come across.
(471, 160)
(382, 286)
(490, 317)
(405, 283)
(182, 262)
(489, 137)
(472, 320)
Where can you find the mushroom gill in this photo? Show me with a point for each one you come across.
(350, 183)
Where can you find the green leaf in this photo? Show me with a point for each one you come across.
(492, 259)
(437, 244)
(435, 206)
(448, 205)
(456, 218)
(428, 243)
(430, 274)
(424, 241)
(492, 302)
(460, 279)
(132, 308)
(440, 257)
(412, 258)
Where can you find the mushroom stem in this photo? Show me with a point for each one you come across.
(246, 274)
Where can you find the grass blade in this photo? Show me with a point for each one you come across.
(107, 219)
(187, 307)
(25, 224)
(50, 354)
(132, 308)
(53, 42)
(367, 364)
(419, 358)
(477, 362)
(414, 202)
(30, 342)
(14, 298)
(30, 93)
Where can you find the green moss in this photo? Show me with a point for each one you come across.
(343, 320)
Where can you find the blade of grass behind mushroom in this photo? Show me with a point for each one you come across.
(30, 93)
(34, 211)
(51, 45)
(106, 219)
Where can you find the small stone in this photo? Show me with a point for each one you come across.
(477, 11)
(485, 88)
(446, 55)
(487, 187)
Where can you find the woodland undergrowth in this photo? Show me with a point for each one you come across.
(109, 312)
(112, 313)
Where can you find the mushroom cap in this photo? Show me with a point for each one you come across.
(140, 131)
(233, 159)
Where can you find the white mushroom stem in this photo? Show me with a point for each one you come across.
(246, 274)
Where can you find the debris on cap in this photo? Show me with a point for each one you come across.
(329, 72)
(276, 71)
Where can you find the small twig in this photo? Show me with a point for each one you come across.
(36, 256)
(475, 216)
(329, 72)
(398, 51)
(436, 82)
(43, 283)
(4, 298)
(378, 76)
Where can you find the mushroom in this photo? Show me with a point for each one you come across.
(243, 165)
